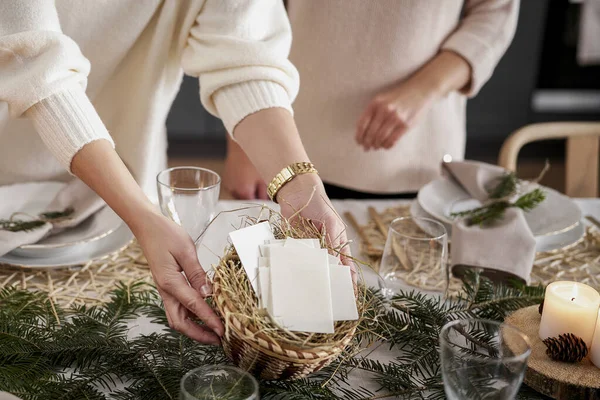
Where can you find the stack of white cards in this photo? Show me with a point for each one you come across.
(302, 286)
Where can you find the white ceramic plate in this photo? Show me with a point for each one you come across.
(96, 227)
(78, 255)
(34, 198)
(441, 197)
(543, 243)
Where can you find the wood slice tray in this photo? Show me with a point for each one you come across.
(561, 381)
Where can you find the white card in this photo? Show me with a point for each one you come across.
(246, 242)
(264, 262)
(334, 260)
(264, 278)
(342, 294)
(287, 257)
(265, 249)
(291, 242)
(301, 297)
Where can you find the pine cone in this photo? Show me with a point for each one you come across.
(541, 307)
(566, 348)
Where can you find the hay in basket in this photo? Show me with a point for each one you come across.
(252, 340)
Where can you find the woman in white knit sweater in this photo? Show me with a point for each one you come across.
(384, 89)
(56, 113)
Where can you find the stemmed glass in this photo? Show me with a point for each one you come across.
(189, 196)
(415, 254)
(218, 382)
(482, 359)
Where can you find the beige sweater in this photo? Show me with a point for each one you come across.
(347, 51)
(138, 51)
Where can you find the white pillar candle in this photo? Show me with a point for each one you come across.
(595, 350)
(570, 307)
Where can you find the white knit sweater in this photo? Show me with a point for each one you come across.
(137, 52)
(347, 51)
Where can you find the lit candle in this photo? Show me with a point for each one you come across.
(570, 307)
(595, 350)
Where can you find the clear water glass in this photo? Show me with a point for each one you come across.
(482, 359)
(415, 256)
(189, 196)
(218, 382)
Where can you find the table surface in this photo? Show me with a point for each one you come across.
(216, 236)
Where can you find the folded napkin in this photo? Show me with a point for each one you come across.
(76, 195)
(504, 249)
(8, 396)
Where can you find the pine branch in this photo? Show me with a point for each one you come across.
(20, 225)
(506, 187)
(57, 215)
(92, 344)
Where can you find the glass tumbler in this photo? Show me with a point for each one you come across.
(188, 196)
(218, 382)
(415, 255)
(482, 359)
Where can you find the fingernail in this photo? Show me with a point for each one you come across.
(206, 290)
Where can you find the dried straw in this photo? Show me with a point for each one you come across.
(89, 284)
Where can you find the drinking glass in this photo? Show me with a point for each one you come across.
(218, 382)
(415, 255)
(482, 359)
(189, 196)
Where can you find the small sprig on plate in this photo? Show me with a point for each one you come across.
(19, 225)
(500, 200)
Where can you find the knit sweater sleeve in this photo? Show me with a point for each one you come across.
(482, 37)
(239, 49)
(43, 76)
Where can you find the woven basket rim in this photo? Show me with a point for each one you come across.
(331, 350)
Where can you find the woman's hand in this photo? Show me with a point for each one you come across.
(391, 113)
(169, 251)
(305, 195)
(240, 177)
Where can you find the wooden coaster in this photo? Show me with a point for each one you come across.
(562, 381)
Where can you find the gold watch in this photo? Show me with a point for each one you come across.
(286, 175)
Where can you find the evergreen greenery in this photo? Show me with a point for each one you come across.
(18, 225)
(85, 352)
(499, 196)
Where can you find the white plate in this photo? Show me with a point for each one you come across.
(96, 227)
(561, 240)
(543, 243)
(79, 255)
(442, 197)
(33, 199)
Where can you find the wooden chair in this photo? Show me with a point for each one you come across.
(581, 153)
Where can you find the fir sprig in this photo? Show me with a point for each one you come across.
(506, 187)
(83, 352)
(21, 225)
(494, 211)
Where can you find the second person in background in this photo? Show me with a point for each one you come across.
(383, 90)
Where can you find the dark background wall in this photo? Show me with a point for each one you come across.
(503, 105)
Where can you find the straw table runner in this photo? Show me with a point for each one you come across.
(88, 284)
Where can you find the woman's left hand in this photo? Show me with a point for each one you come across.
(391, 113)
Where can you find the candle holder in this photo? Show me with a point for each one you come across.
(558, 380)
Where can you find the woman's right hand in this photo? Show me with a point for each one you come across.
(170, 251)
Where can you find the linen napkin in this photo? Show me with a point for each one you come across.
(505, 249)
(75, 194)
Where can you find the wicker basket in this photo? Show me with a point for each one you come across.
(260, 354)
